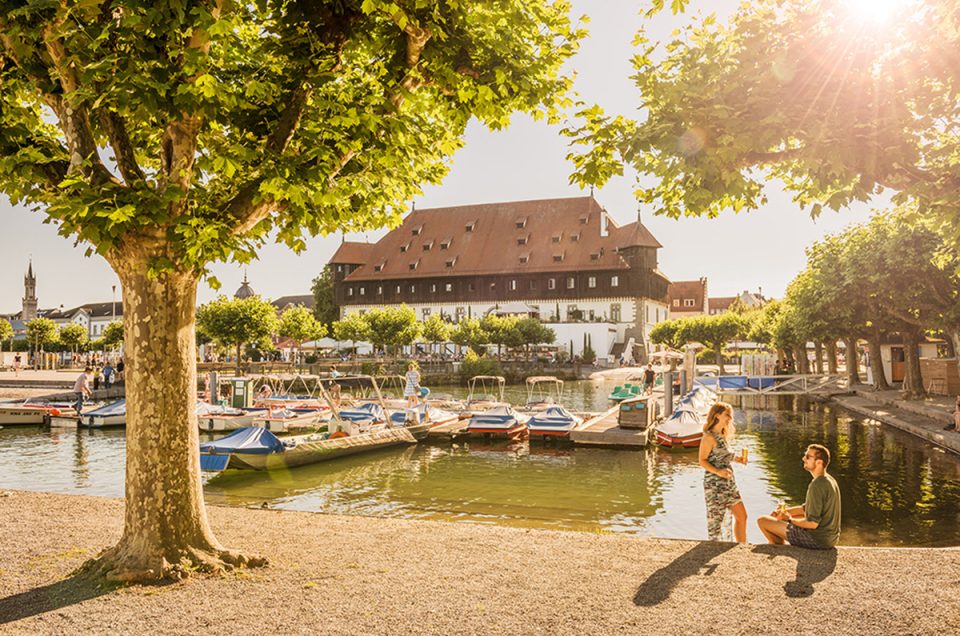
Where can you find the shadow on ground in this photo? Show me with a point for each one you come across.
(658, 586)
(52, 597)
(813, 566)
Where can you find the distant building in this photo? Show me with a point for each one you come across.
(562, 260)
(749, 300)
(688, 298)
(245, 290)
(94, 317)
(29, 310)
(301, 300)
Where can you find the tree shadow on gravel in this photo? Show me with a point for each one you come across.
(39, 600)
(658, 586)
(813, 566)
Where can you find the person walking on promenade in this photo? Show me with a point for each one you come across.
(81, 388)
(107, 375)
(120, 371)
(17, 363)
(719, 486)
(815, 524)
(411, 389)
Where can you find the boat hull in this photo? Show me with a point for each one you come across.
(103, 421)
(686, 441)
(323, 450)
(221, 423)
(25, 415)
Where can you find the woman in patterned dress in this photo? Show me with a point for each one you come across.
(719, 486)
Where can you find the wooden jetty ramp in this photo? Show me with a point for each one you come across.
(448, 430)
(603, 430)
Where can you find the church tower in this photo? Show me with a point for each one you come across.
(29, 295)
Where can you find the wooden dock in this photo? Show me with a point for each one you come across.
(449, 430)
(603, 430)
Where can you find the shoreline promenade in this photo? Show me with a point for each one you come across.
(360, 575)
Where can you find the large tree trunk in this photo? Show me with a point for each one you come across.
(818, 356)
(166, 533)
(719, 350)
(912, 388)
(876, 363)
(853, 361)
(803, 363)
(831, 356)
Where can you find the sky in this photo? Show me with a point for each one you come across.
(763, 249)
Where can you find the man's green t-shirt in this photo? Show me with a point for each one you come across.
(823, 506)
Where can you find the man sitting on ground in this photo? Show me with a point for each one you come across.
(815, 524)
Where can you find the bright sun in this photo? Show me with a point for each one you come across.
(876, 11)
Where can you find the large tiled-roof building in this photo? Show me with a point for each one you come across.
(566, 259)
(688, 298)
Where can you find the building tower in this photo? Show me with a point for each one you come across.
(29, 295)
(245, 290)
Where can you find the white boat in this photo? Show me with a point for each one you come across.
(684, 427)
(31, 413)
(485, 392)
(113, 414)
(289, 420)
(543, 391)
(553, 421)
(499, 421)
(216, 418)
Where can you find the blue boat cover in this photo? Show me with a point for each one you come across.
(732, 382)
(363, 413)
(114, 408)
(252, 440)
(552, 417)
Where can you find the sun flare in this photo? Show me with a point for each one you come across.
(876, 11)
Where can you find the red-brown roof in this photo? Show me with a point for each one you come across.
(520, 236)
(721, 303)
(352, 253)
(684, 289)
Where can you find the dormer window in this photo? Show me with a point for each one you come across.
(378, 268)
(524, 258)
(558, 258)
(574, 237)
(583, 219)
(404, 248)
(595, 256)
(558, 237)
(469, 226)
(445, 243)
(451, 262)
(521, 223)
(413, 265)
(416, 231)
(523, 240)
(427, 246)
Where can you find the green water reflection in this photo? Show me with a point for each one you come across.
(896, 489)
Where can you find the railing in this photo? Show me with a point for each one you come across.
(775, 384)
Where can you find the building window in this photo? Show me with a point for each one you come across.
(573, 313)
(615, 312)
(513, 285)
(551, 283)
(427, 246)
(349, 291)
(413, 266)
(378, 268)
(688, 302)
(521, 223)
(557, 237)
(533, 285)
(426, 313)
(445, 244)
(676, 302)
(451, 263)
(614, 281)
(558, 258)
(413, 289)
(460, 313)
(583, 220)
(471, 287)
(469, 226)
(398, 289)
(591, 315)
(363, 291)
(416, 230)
(448, 287)
(574, 238)
(404, 248)
(592, 282)
(433, 289)
(648, 313)
(379, 290)
(571, 282)
(524, 259)
(522, 240)
(595, 256)
(339, 268)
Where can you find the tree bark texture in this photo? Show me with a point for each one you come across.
(831, 346)
(853, 361)
(912, 388)
(818, 356)
(166, 533)
(876, 363)
(803, 363)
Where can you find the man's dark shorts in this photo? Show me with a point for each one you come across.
(801, 538)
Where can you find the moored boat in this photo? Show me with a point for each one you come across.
(113, 414)
(286, 420)
(499, 421)
(31, 413)
(216, 418)
(684, 427)
(554, 421)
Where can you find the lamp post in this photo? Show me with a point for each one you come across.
(113, 309)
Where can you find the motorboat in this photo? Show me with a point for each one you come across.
(498, 421)
(217, 418)
(113, 414)
(422, 418)
(624, 392)
(485, 392)
(32, 413)
(553, 421)
(543, 391)
(256, 448)
(285, 420)
(684, 427)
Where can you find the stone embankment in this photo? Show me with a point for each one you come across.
(359, 575)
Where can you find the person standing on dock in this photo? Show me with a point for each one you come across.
(81, 388)
(411, 389)
(719, 486)
(649, 376)
(815, 524)
(17, 364)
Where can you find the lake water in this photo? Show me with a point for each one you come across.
(897, 490)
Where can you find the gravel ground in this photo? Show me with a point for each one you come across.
(358, 575)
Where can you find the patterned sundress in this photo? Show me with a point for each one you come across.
(721, 494)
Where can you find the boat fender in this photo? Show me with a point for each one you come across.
(338, 434)
(55, 412)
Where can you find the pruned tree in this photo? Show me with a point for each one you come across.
(73, 335)
(234, 322)
(6, 331)
(168, 135)
(112, 334)
(352, 327)
(392, 327)
(469, 333)
(436, 329)
(40, 333)
(326, 309)
(300, 325)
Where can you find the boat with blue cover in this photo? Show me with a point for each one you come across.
(113, 414)
(554, 421)
(499, 421)
(684, 427)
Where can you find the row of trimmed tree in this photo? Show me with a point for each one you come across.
(894, 276)
(43, 334)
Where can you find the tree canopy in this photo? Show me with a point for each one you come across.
(326, 309)
(73, 335)
(41, 332)
(6, 330)
(234, 322)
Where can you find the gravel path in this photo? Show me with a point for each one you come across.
(358, 575)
